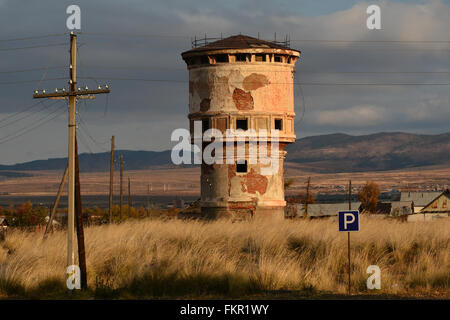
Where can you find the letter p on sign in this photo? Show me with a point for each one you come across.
(349, 220)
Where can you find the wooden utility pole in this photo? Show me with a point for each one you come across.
(350, 195)
(148, 199)
(307, 197)
(121, 185)
(55, 205)
(111, 180)
(129, 196)
(348, 233)
(79, 223)
(72, 94)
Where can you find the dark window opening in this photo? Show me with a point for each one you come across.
(242, 124)
(204, 60)
(277, 59)
(241, 57)
(222, 58)
(278, 124)
(241, 167)
(260, 57)
(205, 125)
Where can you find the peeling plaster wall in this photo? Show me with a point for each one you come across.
(236, 87)
(222, 186)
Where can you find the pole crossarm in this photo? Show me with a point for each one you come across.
(69, 94)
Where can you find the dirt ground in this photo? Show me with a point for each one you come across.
(186, 181)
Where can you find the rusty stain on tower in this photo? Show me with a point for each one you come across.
(244, 83)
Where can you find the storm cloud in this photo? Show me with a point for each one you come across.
(125, 40)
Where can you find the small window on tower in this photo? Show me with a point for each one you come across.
(242, 124)
(204, 60)
(222, 58)
(205, 124)
(241, 167)
(278, 124)
(241, 57)
(260, 57)
(277, 59)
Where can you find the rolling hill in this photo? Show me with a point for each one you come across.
(324, 153)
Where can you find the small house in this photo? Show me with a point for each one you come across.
(437, 208)
(318, 210)
(419, 199)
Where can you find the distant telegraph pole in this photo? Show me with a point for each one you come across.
(350, 195)
(148, 198)
(348, 234)
(73, 94)
(129, 196)
(111, 180)
(308, 184)
(121, 185)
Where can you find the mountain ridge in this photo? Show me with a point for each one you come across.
(337, 152)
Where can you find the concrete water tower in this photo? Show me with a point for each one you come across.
(244, 83)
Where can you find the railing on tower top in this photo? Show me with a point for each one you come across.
(200, 42)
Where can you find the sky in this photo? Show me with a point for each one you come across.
(139, 39)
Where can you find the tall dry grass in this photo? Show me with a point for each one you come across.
(154, 258)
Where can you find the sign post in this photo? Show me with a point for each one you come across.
(348, 222)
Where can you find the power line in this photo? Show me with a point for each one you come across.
(17, 113)
(371, 84)
(369, 41)
(280, 71)
(28, 81)
(35, 37)
(83, 141)
(30, 70)
(280, 83)
(86, 131)
(155, 35)
(28, 115)
(19, 133)
(134, 35)
(33, 47)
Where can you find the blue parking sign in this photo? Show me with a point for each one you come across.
(349, 220)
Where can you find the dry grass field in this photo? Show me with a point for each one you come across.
(194, 259)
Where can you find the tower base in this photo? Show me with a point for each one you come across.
(243, 211)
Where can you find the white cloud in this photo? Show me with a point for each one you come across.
(356, 116)
(205, 20)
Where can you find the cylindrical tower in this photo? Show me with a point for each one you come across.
(243, 83)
